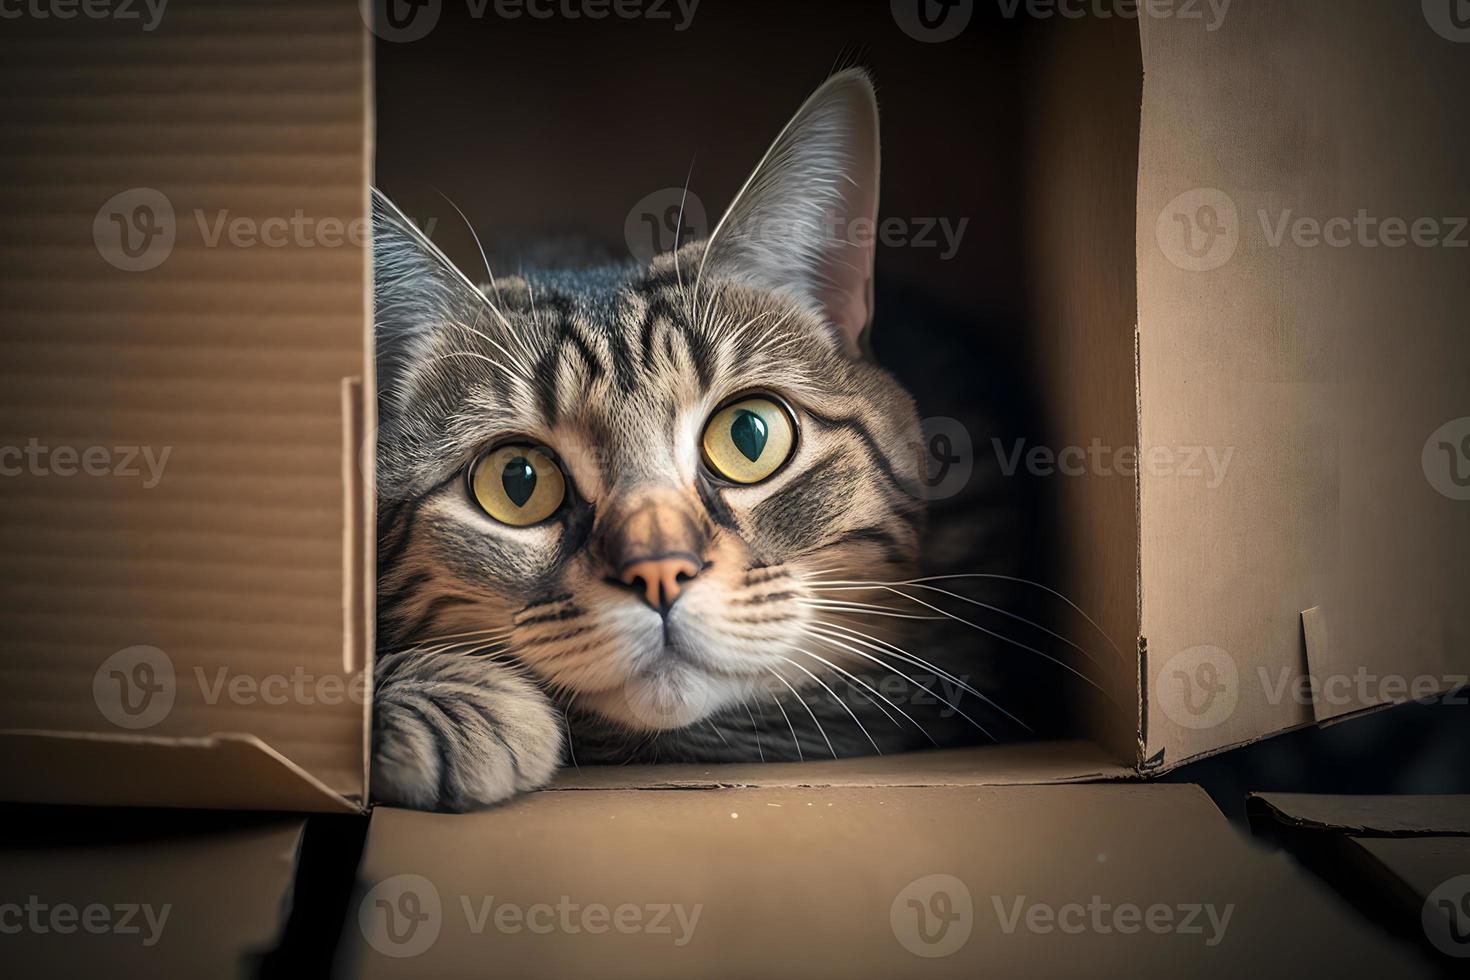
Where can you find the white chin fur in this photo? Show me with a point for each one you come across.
(673, 696)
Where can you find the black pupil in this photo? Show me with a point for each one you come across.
(749, 432)
(519, 480)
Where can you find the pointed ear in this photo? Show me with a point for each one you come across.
(805, 221)
(416, 289)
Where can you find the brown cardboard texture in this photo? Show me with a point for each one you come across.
(1405, 860)
(143, 897)
(187, 621)
(193, 625)
(651, 884)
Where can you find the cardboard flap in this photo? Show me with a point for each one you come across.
(182, 340)
(1000, 765)
(842, 881)
(1300, 367)
(1421, 865)
(142, 895)
(1368, 815)
(221, 772)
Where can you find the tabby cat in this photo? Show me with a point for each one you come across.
(658, 512)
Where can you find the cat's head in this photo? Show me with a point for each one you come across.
(629, 478)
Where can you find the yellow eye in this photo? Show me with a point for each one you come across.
(748, 440)
(518, 485)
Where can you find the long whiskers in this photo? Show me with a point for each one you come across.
(776, 674)
(999, 577)
(841, 642)
(999, 636)
(874, 691)
(841, 703)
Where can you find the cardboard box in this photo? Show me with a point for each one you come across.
(201, 634)
(138, 894)
(1404, 861)
(933, 880)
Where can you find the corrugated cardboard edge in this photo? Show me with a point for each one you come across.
(1020, 764)
(1140, 688)
(223, 771)
(1367, 816)
(366, 454)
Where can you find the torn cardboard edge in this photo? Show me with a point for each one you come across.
(222, 771)
(1367, 816)
(1386, 854)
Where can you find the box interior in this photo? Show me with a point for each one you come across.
(252, 365)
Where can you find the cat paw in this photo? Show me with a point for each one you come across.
(459, 733)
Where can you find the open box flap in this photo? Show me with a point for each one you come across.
(220, 772)
(973, 855)
(1368, 815)
(184, 895)
(181, 537)
(1308, 570)
(1404, 859)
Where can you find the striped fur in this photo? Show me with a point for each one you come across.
(507, 651)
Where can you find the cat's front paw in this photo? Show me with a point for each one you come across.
(459, 733)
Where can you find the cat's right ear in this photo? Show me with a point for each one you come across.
(803, 223)
(416, 289)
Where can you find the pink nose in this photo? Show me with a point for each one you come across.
(660, 580)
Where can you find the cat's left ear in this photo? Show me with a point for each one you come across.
(805, 221)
